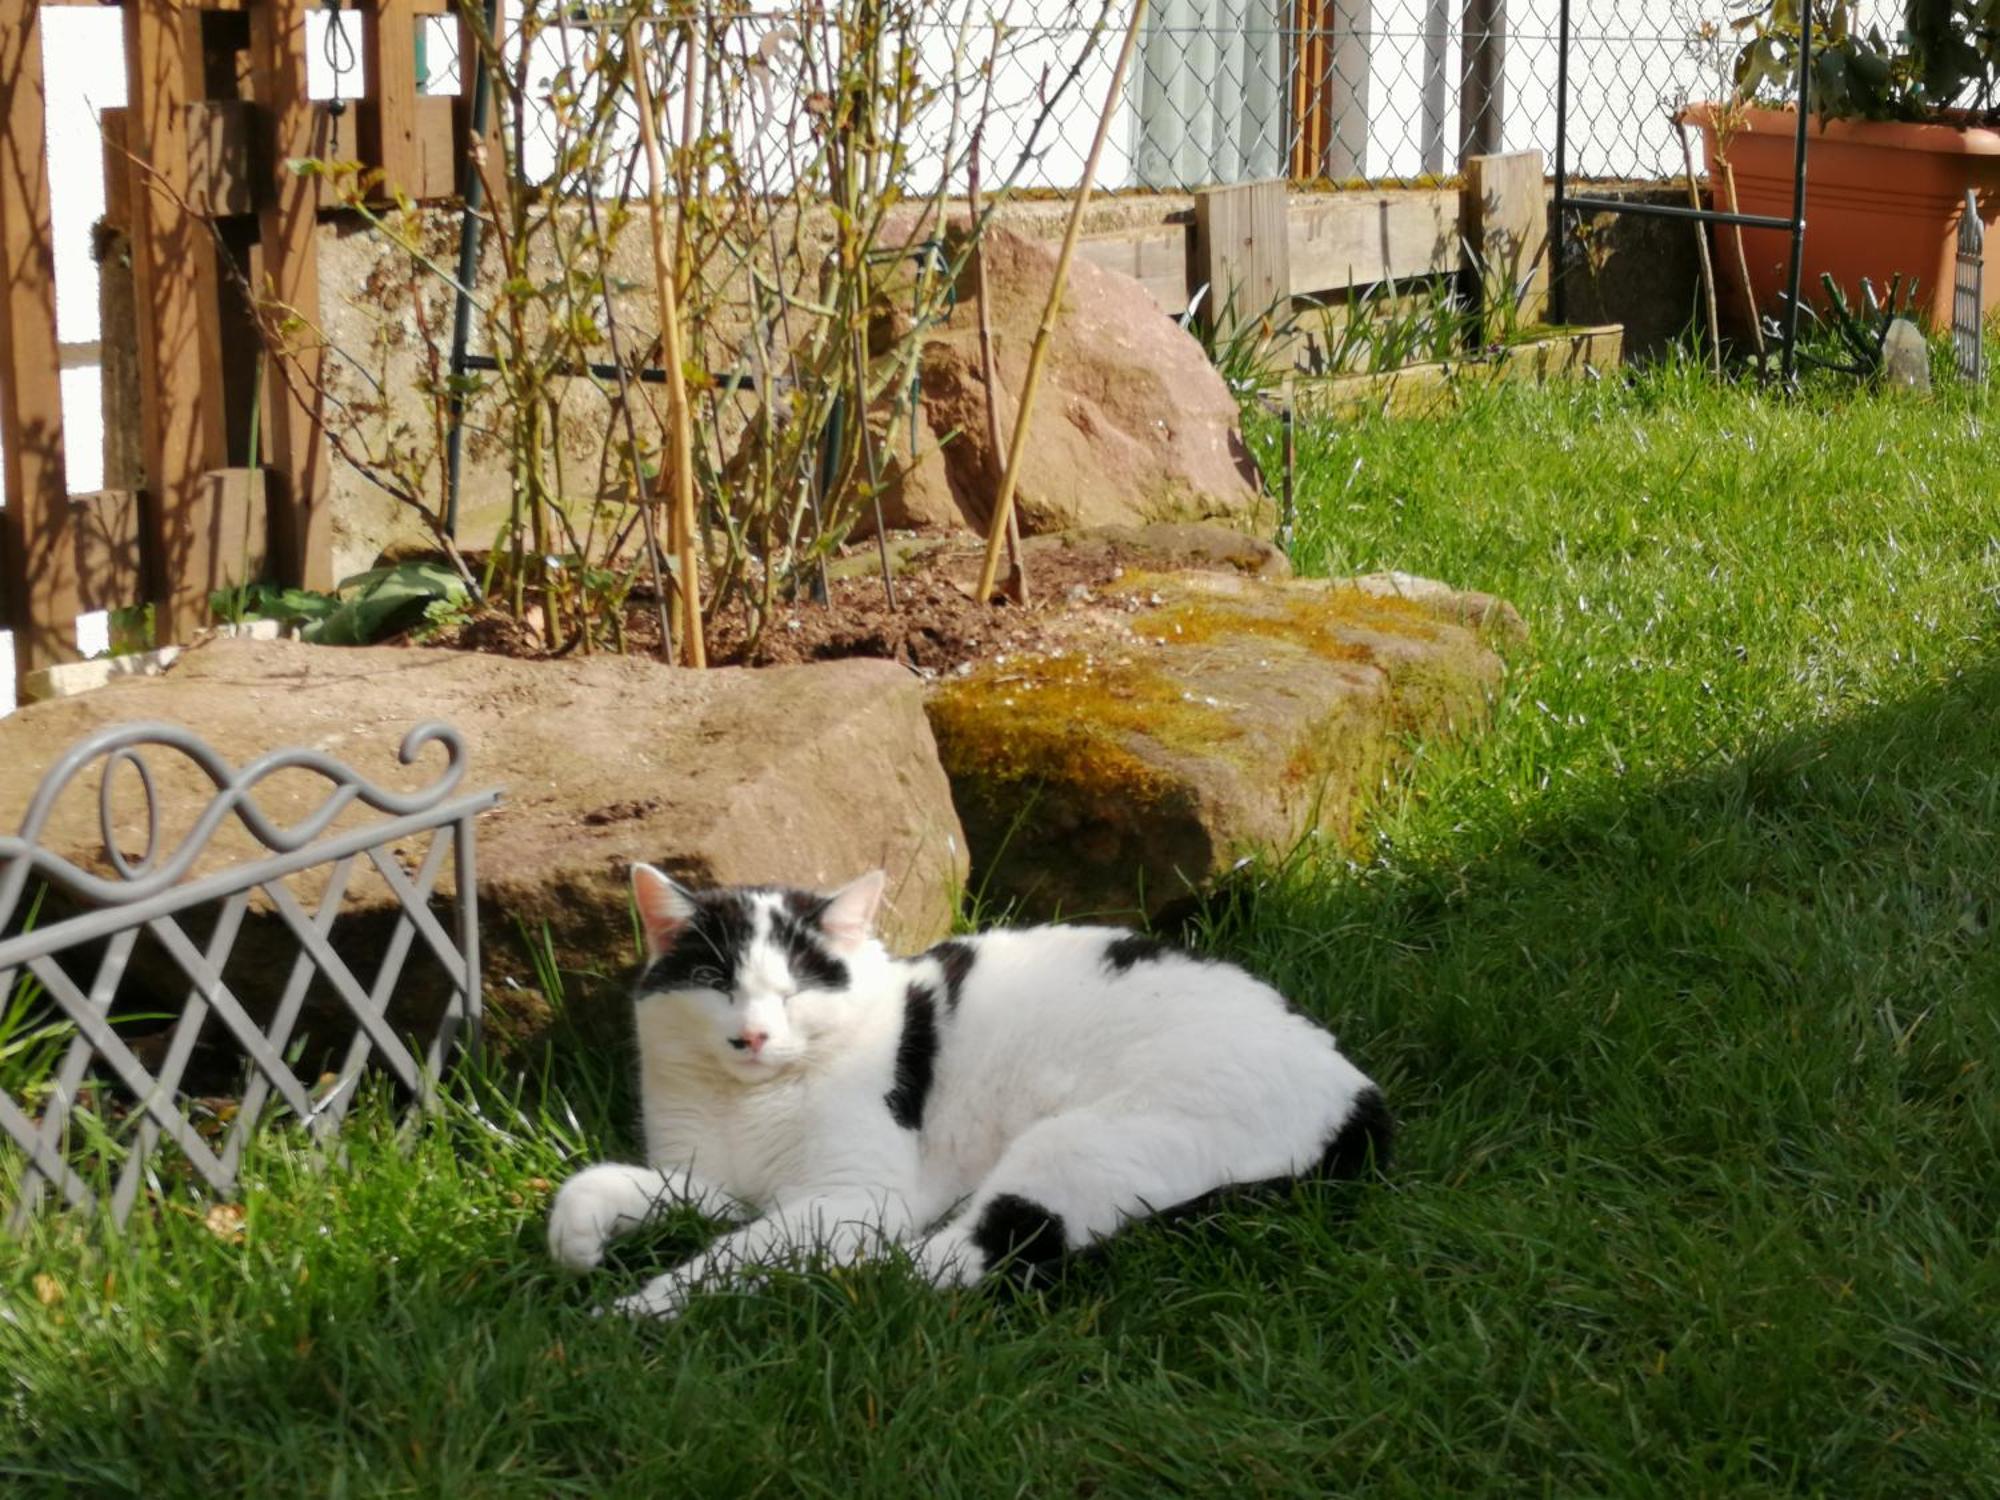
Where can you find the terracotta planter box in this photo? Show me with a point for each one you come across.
(1882, 196)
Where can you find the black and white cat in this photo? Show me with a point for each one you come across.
(999, 1100)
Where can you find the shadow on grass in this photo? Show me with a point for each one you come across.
(1695, 1193)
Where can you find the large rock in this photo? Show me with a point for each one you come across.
(1199, 717)
(802, 775)
(1131, 424)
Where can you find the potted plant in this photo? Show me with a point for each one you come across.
(1904, 126)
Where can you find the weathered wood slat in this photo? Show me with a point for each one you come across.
(1505, 223)
(174, 276)
(434, 138)
(221, 172)
(233, 500)
(1358, 239)
(1242, 250)
(110, 572)
(388, 123)
(38, 588)
(1155, 258)
(301, 531)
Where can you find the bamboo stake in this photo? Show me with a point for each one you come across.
(1701, 253)
(1743, 265)
(1017, 573)
(679, 467)
(1003, 504)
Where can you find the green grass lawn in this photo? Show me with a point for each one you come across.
(1683, 980)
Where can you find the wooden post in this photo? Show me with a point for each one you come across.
(38, 584)
(1482, 92)
(389, 113)
(301, 518)
(1330, 88)
(1504, 225)
(182, 429)
(1242, 252)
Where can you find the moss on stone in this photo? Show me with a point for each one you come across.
(1069, 719)
(1319, 621)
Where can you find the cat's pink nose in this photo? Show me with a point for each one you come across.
(754, 1040)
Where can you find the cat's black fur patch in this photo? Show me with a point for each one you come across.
(1135, 948)
(712, 940)
(916, 1058)
(807, 906)
(805, 953)
(1021, 1233)
(1362, 1143)
(719, 933)
(955, 956)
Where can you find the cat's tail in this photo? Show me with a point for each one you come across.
(1360, 1145)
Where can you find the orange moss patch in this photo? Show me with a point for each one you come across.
(1318, 621)
(1069, 719)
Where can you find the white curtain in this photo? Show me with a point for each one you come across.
(1211, 93)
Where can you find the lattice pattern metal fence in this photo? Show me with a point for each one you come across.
(107, 1108)
(1968, 293)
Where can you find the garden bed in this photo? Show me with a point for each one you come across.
(1538, 355)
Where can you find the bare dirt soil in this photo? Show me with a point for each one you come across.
(931, 622)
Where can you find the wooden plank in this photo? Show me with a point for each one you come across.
(118, 371)
(38, 587)
(174, 278)
(1423, 387)
(1156, 258)
(288, 247)
(1505, 223)
(435, 139)
(221, 175)
(1357, 239)
(109, 567)
(1331, 89)
(1242, 251)
(117, 170)
(235, 509)
(388, 115)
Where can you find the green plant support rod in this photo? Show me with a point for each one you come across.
(472, 190)
(1003, 503)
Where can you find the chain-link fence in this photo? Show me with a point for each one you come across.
(1235, 90)
(1392, 90)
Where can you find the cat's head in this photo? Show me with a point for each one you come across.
(757, 975)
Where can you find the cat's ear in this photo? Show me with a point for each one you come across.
(664, 908)
(847, 917)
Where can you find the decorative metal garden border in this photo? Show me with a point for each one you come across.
(147, 895)
(1968, 302)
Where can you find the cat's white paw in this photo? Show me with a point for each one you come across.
(664, 1298)
(585, 1217)
(949, 1258)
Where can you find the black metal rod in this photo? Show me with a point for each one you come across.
(1561, 287)
(728, 380)
(1674, 211)
(1790, 360)
(472, 191)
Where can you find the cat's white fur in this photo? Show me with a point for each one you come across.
(1090, 1094)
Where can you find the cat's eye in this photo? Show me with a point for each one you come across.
(706, 979)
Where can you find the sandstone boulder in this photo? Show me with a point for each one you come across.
(1192, 719)
(1132, 424)
(799, 775)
